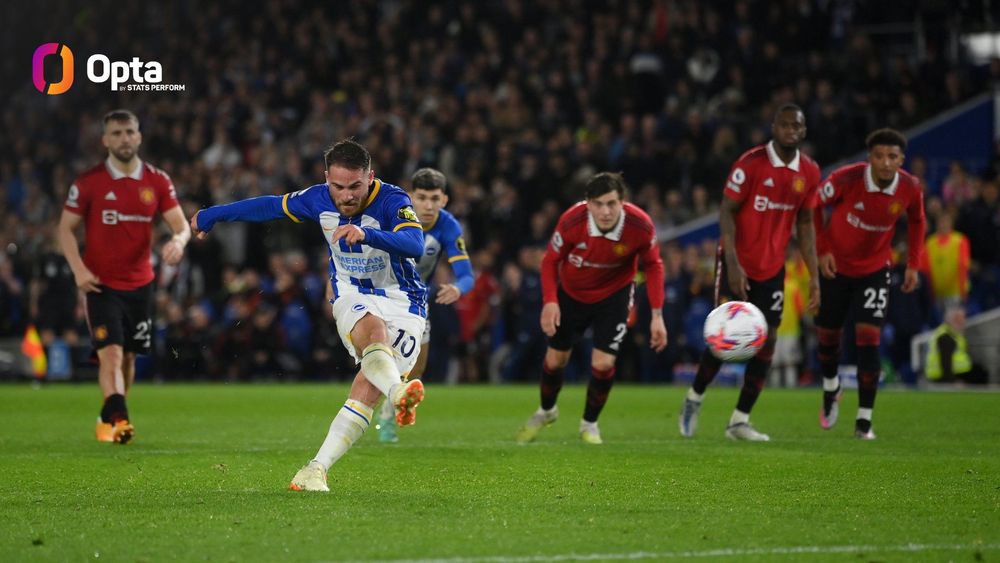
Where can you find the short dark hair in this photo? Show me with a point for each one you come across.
(348, 154)
(886, 136)
(429, 179)
(120, 115)
(603, 183)
(788, 107)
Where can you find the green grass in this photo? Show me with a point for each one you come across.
(205, 479)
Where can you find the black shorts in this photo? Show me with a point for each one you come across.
(121, 317)
(865, 298)
(609, 318)
(767, 295)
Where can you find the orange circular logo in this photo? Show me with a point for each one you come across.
(101, 333)
(147, 196)
(895, 208)
(799, 184)
(619, 249)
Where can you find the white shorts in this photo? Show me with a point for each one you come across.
(405, 328)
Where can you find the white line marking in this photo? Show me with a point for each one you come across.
(722, 552)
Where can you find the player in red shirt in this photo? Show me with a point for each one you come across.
(116, 202)
(587, 281)
(770, 190)
(855, 252)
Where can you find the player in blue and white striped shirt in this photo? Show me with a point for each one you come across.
(379, 301)
(442, 236)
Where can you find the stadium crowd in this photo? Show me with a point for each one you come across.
(517, 102)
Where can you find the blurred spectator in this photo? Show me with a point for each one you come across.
(948, 357)
(12, 313)
(957, 187)
(979, 220)
(948, 263)
(53, 295)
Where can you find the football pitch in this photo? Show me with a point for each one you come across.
(206, 478)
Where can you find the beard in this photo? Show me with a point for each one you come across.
(124, 154)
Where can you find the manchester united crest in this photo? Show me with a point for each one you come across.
(895, 208)
(101, 333)
(799, 184)
(146, 195)
(619, 249)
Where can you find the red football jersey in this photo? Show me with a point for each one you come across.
(118, 212)
(591, 265)
(771, 193)
(860, 229)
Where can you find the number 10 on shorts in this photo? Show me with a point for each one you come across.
(404, 343)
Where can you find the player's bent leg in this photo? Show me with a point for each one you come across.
(602, 379)
(382, 365)
(369, 337)
(551, 383)
(387, 413)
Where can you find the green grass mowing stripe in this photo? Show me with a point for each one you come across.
(976, 551)
(206, 477)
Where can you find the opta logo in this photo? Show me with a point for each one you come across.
(133, 76)
(38, 68)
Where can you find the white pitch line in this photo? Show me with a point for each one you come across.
(722, 552)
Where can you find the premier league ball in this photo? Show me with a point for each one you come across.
(735, 331)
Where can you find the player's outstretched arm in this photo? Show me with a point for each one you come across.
(253, 210)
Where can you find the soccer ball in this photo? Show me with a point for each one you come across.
(735, 331)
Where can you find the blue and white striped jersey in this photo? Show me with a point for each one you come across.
(444, 236)
(364, 268)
